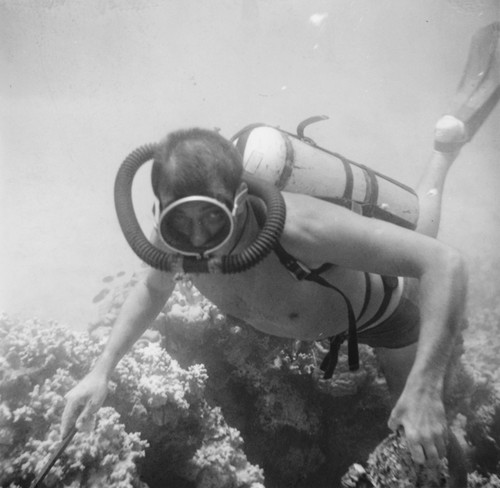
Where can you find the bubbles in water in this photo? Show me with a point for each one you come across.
(318, 19)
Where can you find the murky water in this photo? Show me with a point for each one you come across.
(86, 81)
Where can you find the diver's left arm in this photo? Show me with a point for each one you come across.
(419, 409)
(320, 232)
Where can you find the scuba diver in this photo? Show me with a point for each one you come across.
(296, 265)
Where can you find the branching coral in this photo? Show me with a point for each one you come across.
(220, 462)
(40, 363)
(104, 457)
(149, 379)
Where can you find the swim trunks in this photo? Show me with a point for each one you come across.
(402, 327)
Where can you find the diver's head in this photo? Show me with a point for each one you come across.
(197, 179)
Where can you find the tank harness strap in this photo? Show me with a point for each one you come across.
(300, 272)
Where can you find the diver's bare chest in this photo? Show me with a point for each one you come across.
(270, 299)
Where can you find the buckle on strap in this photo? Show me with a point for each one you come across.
(298, 270)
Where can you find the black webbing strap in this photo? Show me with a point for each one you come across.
(301, 272)
(329, 362)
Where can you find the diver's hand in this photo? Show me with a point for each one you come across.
(83, 402)
(422, 418)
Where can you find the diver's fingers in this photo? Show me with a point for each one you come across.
(434, 443)
(417, 453)
(70, 413)
(87, 423)
(431, 454)
(416, 450)
(86, 418)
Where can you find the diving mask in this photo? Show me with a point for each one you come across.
(198, 225)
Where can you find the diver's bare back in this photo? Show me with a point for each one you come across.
(270, 299)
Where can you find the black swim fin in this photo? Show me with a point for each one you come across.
(479, 89)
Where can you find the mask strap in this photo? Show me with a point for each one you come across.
(237, 241)
(239, 197)
(156, 212)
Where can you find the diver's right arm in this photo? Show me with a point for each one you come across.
(141, 307)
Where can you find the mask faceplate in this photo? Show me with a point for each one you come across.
(198, 225)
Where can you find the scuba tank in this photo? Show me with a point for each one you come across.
(294, 163)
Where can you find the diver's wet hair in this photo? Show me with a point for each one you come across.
(194, 162)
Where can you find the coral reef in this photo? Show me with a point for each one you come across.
(219, 404)
(149, 392)
(38, 365)
(473, 408)
(272, 391)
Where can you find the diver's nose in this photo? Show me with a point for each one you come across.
(199, 235)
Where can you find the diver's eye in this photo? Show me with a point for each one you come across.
(214, 216)
(181, 223)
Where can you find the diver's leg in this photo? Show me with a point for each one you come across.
(430, 187)
(476, 97)
(396, 365)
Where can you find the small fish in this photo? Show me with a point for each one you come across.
(101, 295)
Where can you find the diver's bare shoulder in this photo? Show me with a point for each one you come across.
(310, 228)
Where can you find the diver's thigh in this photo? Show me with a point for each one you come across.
(396, 365)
